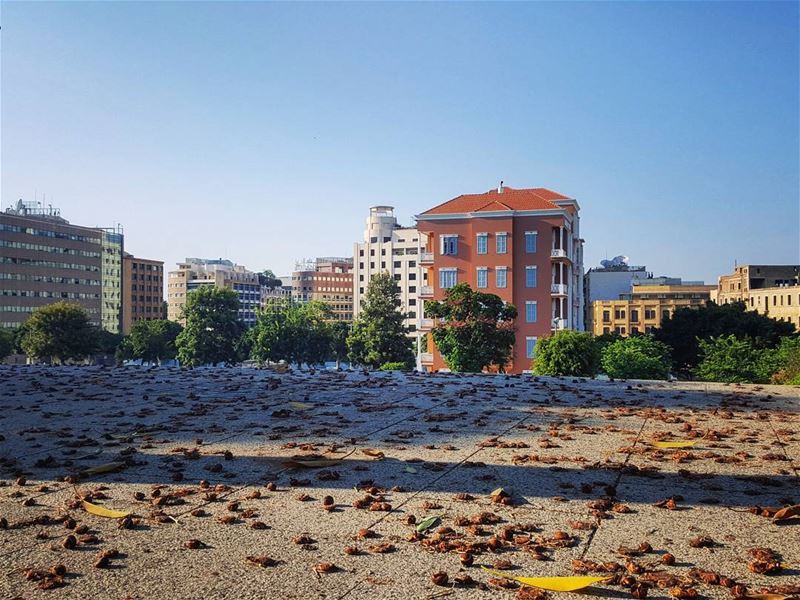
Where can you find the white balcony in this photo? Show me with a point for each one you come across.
(559, 324)
(426, 258)
(426, 291)
(558, 289)
(558, 253)
(426, 324)
(426, 358)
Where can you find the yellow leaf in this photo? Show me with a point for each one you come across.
(104, 468)
(766, 597)
(301, 405)
(674, 444)
(101, 511)
(553, 584)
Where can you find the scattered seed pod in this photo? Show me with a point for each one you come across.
(70, 542)
(466, 559)
(193, 544)
(667, 559)
(439, 578)
(327, 501)
(262, 561)
(639, 589)
(258, 525)
(325, 568)
(352, 550)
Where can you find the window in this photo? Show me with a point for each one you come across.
(665, 314)
(649, 313)
(606, 330)
(449, 245)
(634, 315)
(483, 243)
(412, 301)
(447, 278)
(412, 276)
(483, 277)
(501, 277)
(530, 241)
(606, 316)
(372, 252)
(396, 264)
(501, 243)
(530, 347)
(619, 313)
(620, 330)
(530, 276)
(531, 309)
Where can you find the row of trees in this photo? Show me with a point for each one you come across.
(725, 343)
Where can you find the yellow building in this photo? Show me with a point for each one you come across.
(737, 286)
(780, 303)
(649, 302)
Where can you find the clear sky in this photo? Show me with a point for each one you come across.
(263, 132)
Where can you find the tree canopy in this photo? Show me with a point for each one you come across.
(378, 336)
(213, 329)
(58, 332)
(476, 330)
(268, 279)
(636, 357)
(732, 360)
(567, 353)
(293, 332)
(686, 326)
(151, 341)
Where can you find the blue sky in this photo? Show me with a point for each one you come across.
(263, 132)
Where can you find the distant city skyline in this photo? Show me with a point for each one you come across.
(262, 133)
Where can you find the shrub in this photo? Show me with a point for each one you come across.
(638, 357)
(728, 359)
(785, 362)
(567, 353)
(394, 366)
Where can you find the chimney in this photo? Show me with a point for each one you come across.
(500, 188)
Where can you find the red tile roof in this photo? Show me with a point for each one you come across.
(509, 199)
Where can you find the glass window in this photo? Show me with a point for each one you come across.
(530, 277)
(483, 243)
(449, 245)
(447, 278)
(530, 241)
(531, 309)
(501, 277)
(502, 243)
(530, 347)
(483, 278)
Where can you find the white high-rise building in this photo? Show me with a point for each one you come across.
(390, 248)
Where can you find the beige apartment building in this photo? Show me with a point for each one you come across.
(198, 272)
(393, 249)
(781, 303)
(328, 280)
(646, 306)
(736, 287)
(142, 290)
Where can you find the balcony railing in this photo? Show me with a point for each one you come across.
(558, 253)
(558, 289)
(426, 258)
(426, 324)
(426, 291)
(559, 323)
(426, 358)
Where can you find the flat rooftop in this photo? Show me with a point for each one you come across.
(203, 457)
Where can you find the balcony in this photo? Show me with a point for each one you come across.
(426, 258)
(426, 358)
(559, 324)
(558, 289)
(426, 291)
(558, 253)
(426, 324)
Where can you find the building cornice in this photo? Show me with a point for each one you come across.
(497, 214)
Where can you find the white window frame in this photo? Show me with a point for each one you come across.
(530, 353)
(535, 306)
(485, 237)
(535, 270)
(448, 270)
(443, 243)
(485, 272)
(497, 277)
(501, 235)
(535, 236)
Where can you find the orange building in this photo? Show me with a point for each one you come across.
(142, 290)
(522, 245)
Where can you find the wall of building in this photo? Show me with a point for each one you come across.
(142, 290)
(734, 287)
(45, 260)
(781, 303)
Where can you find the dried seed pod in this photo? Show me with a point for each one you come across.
(69, 523)
(439, 578)
(466, 559)
(262, 561)
(303, 540)
(193, 544)
(325, 568)
(258, 525)
(639, 589)
(327, 501)
(58, 570)
(352, 550)
(502, 564)
(271, 487)
(667, 559)
(70, 542)
(198, 512)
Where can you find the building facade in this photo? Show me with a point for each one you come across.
(646, 306)
(194, 273)
(142, 290)
(328, 280)
(607, 282)
(781, 303)
(390, 248)
(45, 259)
(522, 245)
(736, 287)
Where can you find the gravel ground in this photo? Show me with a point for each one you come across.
(204, 473)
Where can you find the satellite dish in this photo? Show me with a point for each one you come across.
(617, 261)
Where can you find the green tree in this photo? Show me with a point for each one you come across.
(567, 353)
(339, 332)
(151, 341)
(686, 326)
(605, 339)
(213, 330)
(296, 333)
(7, 343)
(475, 331)
(729, 359)
(783, 363)
(267, 279)
(638, 357)
(58, 332)
(378, 336)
